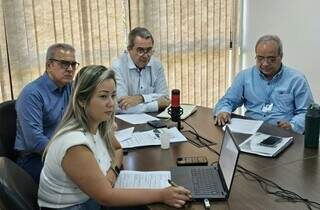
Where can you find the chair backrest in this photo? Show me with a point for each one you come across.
(8, 118)
(17, 189)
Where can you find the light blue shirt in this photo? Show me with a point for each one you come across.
(40, 107)
(288, 91)
(150, 82)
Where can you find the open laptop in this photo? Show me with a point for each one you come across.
(211, 182)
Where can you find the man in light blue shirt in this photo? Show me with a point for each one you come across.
(40, 107)
(141, 82)
(270, 91)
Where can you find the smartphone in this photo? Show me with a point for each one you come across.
(192, 161)
(271, 141)
(157, 124)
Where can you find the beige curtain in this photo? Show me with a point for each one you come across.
(96, 28)
(192, 39)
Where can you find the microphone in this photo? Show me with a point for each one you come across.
(175, 111)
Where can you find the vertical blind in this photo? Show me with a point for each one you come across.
(192, 39)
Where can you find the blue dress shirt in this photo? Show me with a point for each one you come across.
(150, 82)
(40, 107)
(288, 91)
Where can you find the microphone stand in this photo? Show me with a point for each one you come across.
(175, 113)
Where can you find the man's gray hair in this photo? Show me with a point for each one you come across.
(138, 31)
(53, 49)
(267, 38)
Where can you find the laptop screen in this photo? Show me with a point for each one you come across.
(228, 157)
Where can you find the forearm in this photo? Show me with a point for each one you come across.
(298, 123)
(141, 108)
(132, 197)
(153, 97)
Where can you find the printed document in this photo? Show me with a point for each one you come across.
(143, 179)
(124, 134)
(136, 118)
(151, 138)
(238, 125)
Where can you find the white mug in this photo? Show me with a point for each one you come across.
(165, 140)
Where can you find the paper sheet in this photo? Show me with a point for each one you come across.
(238, 125)
(188, 109)
(124, 134)
(143, 179)
(136, 118)
(151, 138)
(252, 145)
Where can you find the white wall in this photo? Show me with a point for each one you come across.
(297, 23)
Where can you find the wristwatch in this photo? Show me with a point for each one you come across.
(115, 168)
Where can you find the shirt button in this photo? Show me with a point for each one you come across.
(268, 83)
(264, 115)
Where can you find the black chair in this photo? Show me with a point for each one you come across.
(8, 118)
(17, 189)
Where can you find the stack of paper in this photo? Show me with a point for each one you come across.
(239, 125)
(136, 118)
(252, 145)
(143, 179)
(188, 109)
(128, 139)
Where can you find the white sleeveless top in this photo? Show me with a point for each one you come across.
(56, 190)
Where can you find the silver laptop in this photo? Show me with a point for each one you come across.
(212, 182)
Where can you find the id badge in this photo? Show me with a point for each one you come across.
(267, 108)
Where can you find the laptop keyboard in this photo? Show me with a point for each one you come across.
(202, 182)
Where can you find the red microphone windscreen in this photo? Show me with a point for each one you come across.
(175, 98)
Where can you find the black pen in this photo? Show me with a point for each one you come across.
(172, 183)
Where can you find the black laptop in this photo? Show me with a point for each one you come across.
(211, 182)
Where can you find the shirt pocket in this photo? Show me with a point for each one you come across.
(285, 101)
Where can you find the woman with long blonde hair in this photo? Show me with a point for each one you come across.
(82, 159)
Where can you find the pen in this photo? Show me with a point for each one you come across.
(172, 183)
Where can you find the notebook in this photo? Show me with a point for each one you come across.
(211, 182)
(188, 110)
(253, 145)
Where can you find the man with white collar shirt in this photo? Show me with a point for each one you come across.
(141, 83)
(269, 91)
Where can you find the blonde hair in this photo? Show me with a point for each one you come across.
(75, 118)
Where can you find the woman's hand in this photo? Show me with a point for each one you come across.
(176, 196)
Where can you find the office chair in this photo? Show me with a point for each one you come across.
(8, 118)
(17, 189)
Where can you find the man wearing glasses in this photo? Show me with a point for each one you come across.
(269, 91)
(141, 83)
(40, 107)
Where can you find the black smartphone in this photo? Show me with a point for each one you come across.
(157, 124)
(271, 141)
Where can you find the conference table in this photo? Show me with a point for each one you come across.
(296, 169)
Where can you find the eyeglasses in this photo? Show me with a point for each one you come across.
(269, 59)
(141, 51)
(65, 64)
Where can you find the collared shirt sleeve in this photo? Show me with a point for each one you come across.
(160, 86)
(150, 83)
(233, 97)
(302, 99)
(140, 108)
(30, 116)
